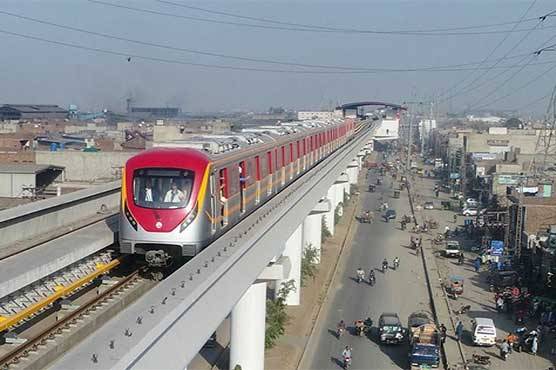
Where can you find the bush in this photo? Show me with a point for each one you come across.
(308, 264)
(325, 233)
(276, 315)
(337, 213)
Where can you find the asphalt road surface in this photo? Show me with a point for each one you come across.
(402, 291)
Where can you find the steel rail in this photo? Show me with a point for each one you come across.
(40, 339)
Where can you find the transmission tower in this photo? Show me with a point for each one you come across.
(546, 143)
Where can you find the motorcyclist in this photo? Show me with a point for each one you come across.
(360, 274)
(384, 264)
(359, 327)
(346, 356)
(371, 276)
(396, 262)
(341, 328)
(461, 258)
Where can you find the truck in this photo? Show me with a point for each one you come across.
(424, 341)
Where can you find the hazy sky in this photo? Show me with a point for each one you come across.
(32, 71)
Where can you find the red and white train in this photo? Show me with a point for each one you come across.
(176, 200)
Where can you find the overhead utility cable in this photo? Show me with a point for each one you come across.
(241, 58)
(300, 29)
(338, 29)
(130, 56)
(452, 95)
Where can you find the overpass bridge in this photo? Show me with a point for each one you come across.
(167, 326)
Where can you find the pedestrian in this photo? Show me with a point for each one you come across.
(504, 349)
(534, 345)
(477, 264)
(447, 231)
(499, 304)
(443, 331)
(455, 218)
(459, 330)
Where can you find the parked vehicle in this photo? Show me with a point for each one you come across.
(390, 328)
(470, 212)
(471, 203)
(503, 279)
(428, 205)
(424, 340)
(211, 342)
(484, 332)
(452, 248)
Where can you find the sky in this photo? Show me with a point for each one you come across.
(38, 72)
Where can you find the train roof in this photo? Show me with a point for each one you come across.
(214, 144)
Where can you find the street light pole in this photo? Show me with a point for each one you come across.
(409, 142)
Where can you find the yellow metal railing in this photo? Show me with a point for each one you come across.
(61, 291)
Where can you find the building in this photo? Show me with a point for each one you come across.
(318, 116)
(26, 180)
(19, 112)
(154, 112)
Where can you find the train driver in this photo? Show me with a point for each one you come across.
(174, 195)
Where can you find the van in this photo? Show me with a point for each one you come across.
(484, 332)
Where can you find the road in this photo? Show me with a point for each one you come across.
(402, 291)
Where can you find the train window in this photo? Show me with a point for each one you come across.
(223, 184)
(160, 188)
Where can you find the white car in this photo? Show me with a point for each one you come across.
(470, 212)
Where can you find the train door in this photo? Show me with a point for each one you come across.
(213, 206)
(258, 180)
(243, 176)
(224, 193)
(269, 167)
(291, 161)
(283, 164)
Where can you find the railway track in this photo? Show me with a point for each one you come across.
(41, 349)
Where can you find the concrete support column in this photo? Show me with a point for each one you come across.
(339, 197)
(293, 250)
(329, 216)
(247, 329)
(312, 232)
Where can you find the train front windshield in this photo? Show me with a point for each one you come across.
(162, 188)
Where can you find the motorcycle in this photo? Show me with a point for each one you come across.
(504, 355)
(396, 265)
(384, 268)
(463, 309)
(359, 279)
(339, 332)
(372, 280)
(481, 359)
(347, 362)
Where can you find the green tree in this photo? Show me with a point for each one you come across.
(308, 264)
(325, 233)
(337, 213)
(276, 315)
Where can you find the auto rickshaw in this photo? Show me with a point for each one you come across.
(396, 194)
(372, 188)
(455, 287)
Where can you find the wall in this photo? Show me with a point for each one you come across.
(526, 140)
(17, 157)
(388, 128)
(84, 166)
(11, 184)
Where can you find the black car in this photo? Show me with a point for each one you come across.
(211, 342)
(390, 214)
(390, 328)
(503, 279)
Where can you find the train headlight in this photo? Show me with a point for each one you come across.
(130, 218)
(189, 219)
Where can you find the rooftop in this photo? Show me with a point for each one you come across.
(26, 168)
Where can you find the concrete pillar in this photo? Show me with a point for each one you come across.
(339, 197)
(247, 329)
(293, 250)
(312, 232)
